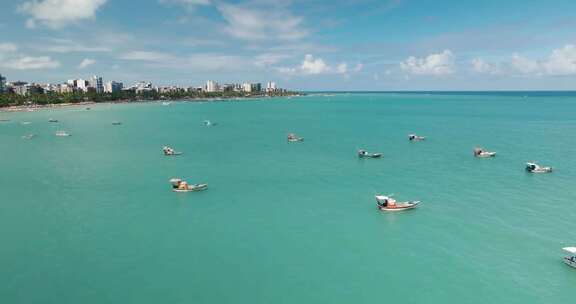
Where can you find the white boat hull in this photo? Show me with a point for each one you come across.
(399, 207)
(569, 262)
(193, 188)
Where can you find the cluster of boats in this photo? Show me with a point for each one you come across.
(179, 185)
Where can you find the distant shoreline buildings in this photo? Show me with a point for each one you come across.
(96, 85)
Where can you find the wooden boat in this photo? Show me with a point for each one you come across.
(387, 203)
(116, 123)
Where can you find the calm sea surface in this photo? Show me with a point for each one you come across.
(91, 218)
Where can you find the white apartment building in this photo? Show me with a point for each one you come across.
(211, 86)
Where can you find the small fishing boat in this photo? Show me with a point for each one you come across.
(166, 103)
(4, 120)
(481, 153)
(535, 168)
(365, 154)
(62, 133)
(294, 138)
(414, 137)
(571, 259)
(168, 151)
(88, 109)
(208, 123)
(25, 123)
(116, 123)
(52, 120)
(29, 136)
(387, 203)
(178, 185)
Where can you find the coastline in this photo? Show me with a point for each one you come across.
(35, 107)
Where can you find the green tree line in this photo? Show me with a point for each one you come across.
(11, 99)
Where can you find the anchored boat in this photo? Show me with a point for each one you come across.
(387, 203)
(365, 154)
(116, 123)
(571, 259)
(62, 134)
(294, 138)
(535, 168)
(169, 151)
(178, 185)
(414, 137)
(481, 153)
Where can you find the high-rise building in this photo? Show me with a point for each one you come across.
(2, 84)
(271, 87)
(247, 87)
(65, 88)
(97, 84)
(211, 86)
(256, 87)
(113, 87)
(79, 84)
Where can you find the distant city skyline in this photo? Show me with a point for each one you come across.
(303, 45)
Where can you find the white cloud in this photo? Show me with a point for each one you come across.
(70, 46)
(204, 62)
(145, 56)
(315, 66)
(433, 64)
(248, 23)
(342, 68)
(186, 2)
(561, 61)
(8, 47)
(479, 65)
(86, 62)
(524, 65)
(268, 59)
(30, 63)
(11, 59)
(312, 65)
(58, 13)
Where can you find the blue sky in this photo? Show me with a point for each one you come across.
(300, 44)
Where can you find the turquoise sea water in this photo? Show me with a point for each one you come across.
(91, 218)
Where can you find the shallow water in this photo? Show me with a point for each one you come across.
(90, 218)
